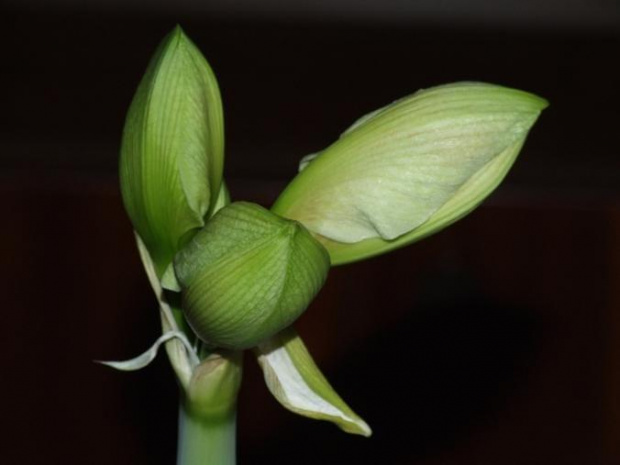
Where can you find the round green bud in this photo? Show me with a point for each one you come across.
(247, 275)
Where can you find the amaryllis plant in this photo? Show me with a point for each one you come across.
(234, 276)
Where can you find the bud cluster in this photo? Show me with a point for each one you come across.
(245, 273)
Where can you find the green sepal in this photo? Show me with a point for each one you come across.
(410, 169)
(172, 151)
(247, 275)
(297, 383)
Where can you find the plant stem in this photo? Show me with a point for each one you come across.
(206, 441)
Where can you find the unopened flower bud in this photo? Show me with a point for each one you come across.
(173, 148)
(410, 169)
(247, 275)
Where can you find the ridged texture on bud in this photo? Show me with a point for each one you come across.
(173, 148)
(410, 169)
(247, 275)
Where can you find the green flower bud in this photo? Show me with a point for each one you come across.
(173, 148)
(410, 169)
(247, 275)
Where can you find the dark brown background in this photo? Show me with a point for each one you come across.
(495, 341)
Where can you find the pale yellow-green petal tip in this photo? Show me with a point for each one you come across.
(337, 413)
(537, 101)
(357, 426)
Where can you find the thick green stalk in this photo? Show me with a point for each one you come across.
(207, 415)
(204, 441)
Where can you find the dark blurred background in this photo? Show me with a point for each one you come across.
(496, 341)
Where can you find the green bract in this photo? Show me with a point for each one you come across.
(172, 152)
(410, 169)
(298, 384)
(247, 275)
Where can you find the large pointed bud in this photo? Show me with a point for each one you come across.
(410, 169)
(173, 148)
(247, 275)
